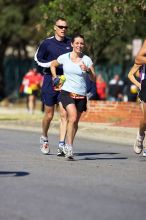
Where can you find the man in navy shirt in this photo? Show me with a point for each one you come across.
(49, 50)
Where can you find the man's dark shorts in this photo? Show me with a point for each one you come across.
(66, 99)
(48, 95)
(142, 93)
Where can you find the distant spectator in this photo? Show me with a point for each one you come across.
(101, 87)
(115, 89)
(30, 86)
(91, 89)
(130, 91)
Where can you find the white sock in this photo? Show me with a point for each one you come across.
(45, 138)
(139, 137)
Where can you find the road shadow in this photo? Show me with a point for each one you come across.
(100, 156)
(13, 173)
(142, 159)
(50, 154)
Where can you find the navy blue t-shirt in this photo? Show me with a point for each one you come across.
(50, 49)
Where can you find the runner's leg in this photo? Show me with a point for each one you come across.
(48, 116)
(71, 125)
(138, 145)
(143, 120)
(76, 124)
(63, 122)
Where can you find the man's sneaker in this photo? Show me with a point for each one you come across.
(138, 145)
(144, 152)
(68, 151)
(44, 145)
(60, 149)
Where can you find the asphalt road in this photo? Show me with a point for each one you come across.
(105, 182)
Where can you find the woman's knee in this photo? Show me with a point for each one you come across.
(72, 119)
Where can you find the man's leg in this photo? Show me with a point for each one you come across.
(48, 115)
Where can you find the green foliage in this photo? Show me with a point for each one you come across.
(101, 21)
(18, 20)
(108, 25)
(18, 28)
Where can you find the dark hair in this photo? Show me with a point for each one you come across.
(75, 36)
(60, 18)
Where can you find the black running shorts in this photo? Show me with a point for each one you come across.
(142, 93)
(66, 99)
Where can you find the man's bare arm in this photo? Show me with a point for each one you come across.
(141, 56)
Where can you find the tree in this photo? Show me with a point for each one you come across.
(108, 26)
(101, 21)
(18, 19)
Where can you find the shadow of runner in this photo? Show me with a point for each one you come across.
(100, 156)
(13, 173)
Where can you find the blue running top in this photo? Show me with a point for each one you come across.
(142, 71)
(50, 49)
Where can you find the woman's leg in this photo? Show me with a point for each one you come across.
(72, 123)
(142, 126)
(138, 145)
(76, 124)
(63, 128)
(63, 122)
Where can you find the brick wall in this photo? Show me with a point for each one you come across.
(118, 113)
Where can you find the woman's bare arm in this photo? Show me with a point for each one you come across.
(53, 66)
(131, 75)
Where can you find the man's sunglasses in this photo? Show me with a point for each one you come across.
(61, 27)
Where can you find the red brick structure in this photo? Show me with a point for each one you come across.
(118, 113)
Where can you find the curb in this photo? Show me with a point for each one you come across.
(104, 132)
(92, 131)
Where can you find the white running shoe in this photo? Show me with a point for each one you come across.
(65, 149)
(44, 145)
(60, 149)
(68, 150)
(138, 145)
(144, 152)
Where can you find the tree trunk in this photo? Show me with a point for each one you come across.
(2, 84)
(3, 47)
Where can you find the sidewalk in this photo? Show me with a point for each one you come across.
(18, 119)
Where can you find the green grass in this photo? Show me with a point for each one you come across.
(18, 116)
